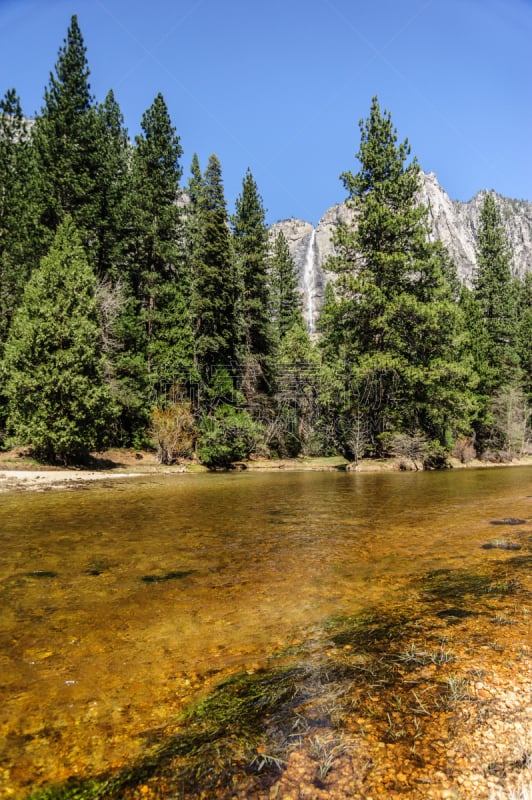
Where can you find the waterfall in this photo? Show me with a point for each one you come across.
(309, 282)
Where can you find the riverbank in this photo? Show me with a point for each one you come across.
(20, 472)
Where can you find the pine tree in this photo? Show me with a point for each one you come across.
(156, 271)
(524, 333)
(53, 368)
(196, 183)
(296, 373)
(154, 325)
(192, 255)
(297, 417)
(397, 327)
(113, 177)
(17, 231)
(214, 287)
(250, 242)
(478, 344)
(494, 292)
(285, 296)
(193, 216)
(67, 139)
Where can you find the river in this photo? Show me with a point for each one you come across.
(122, 602)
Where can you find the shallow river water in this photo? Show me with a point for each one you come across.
(119, 603)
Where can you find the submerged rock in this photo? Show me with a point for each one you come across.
(169, 576)
(42, 573)
(454, 614)
(501, 545)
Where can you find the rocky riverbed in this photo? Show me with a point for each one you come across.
(431, 699)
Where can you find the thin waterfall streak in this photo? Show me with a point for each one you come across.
(309, 282)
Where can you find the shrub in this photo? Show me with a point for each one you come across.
(226, 436)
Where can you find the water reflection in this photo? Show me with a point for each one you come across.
(118, 602)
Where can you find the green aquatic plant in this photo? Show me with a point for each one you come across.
(520, 562)
(325, 750)
(446, 584)
(457, 688)
(421, 656)
(73, 789)
(368, 630)
(506, 586)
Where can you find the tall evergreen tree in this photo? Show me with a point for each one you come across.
(67, 139)
(113, 178)
(53, 369)
(250, 240)
(17, 230)
(193, 215)
(196, 182)
(214, 287)
(285, 296)
(154, 325)
(494, 291)
(478, 343)
(524, 333)
(298, 420)
(157, 274)
(394, 327)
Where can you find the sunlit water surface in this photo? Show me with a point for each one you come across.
(120, 602)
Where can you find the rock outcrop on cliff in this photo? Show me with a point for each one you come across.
(454, 223)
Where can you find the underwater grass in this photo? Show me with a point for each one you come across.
(446, 584)
(369, 630)
(224, 728)
(243, 730)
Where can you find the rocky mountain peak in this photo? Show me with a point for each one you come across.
(454, 223)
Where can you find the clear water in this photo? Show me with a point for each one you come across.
(120, 603)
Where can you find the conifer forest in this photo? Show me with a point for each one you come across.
(137, 310)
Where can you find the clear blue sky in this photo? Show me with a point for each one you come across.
(280, 86)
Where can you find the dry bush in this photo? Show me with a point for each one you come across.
(464, 449)
(174, 431)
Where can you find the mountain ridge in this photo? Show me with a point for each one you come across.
(453, 222)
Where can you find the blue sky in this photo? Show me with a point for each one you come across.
(280, 86)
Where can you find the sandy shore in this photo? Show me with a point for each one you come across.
(124, 464)
(39, 479)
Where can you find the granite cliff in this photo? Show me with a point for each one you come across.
(454, 223)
